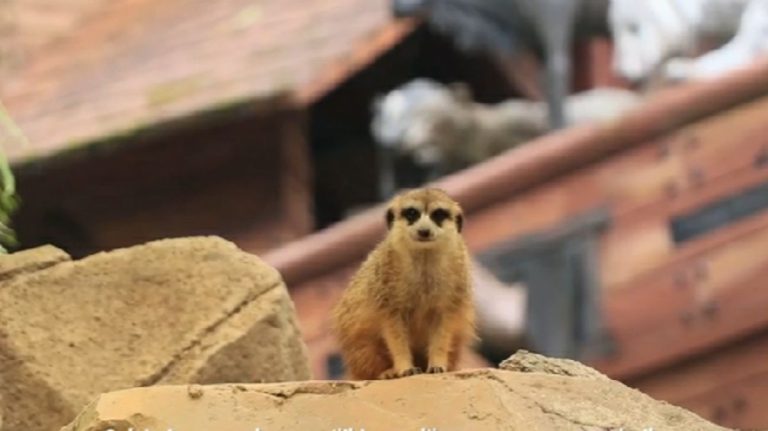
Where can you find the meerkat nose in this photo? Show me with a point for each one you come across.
(424, 233)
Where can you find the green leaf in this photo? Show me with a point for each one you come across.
(9, 200)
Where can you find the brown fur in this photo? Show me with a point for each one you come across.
(409, 307)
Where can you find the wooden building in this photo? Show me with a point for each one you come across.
(673, 197)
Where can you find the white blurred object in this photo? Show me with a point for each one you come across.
(393, 111)
(440, 125)
(749, 44)
(501, 310)
(647, 33)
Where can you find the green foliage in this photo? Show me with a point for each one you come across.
(9, 200)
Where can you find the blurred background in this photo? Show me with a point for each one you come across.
(611, 157)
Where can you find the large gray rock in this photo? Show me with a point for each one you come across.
(194, 310)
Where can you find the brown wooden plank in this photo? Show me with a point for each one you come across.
(708, 373)
(554, 202)
(737, 405)
(695, 157)
(677, 333)
(536, 211)
(690, 280)
(640, 243)
(674, 169)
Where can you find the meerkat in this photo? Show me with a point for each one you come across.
(409, 308)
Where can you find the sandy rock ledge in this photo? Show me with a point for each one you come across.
(549, 395)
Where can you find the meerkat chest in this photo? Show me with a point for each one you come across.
(429, 281)
(429, 294)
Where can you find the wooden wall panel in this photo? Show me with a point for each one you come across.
(644, 187)
(676, 324)
(690, 280)
(728, 386)
(664, 302)
(737, 404)
(641, 242)
(244, 180)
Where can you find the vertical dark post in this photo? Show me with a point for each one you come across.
(296, 174)
(387, 181)
(554, 21)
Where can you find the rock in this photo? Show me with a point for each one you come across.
(483, 399)
(31, 260)
(527, 362)
(180, 311)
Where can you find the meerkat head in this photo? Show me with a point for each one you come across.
(424, 218)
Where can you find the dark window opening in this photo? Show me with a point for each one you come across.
(719, 214)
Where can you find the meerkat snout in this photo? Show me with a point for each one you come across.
(423, 230)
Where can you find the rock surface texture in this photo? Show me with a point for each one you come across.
(180, 311)
(540, 394)
(30, 260)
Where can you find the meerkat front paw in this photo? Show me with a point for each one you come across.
(410, 372)
(388, 374)
(393, 374)
(435, 370)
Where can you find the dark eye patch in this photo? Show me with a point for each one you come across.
(439, 216)
(411, 214)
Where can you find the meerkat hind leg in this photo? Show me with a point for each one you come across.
(453, 356)
(365, 357)
(441, 346)
(395, 337)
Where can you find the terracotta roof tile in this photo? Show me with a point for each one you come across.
(140, 62)
(28, 25)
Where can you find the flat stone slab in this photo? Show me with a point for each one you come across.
(481, 399)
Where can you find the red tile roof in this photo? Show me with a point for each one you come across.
(28, 25)
(41, 21)
(142, 62)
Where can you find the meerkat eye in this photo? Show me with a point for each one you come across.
(439, 216)
(411, 214)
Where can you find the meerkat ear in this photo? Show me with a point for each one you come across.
(459, 222)
(390, 217)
